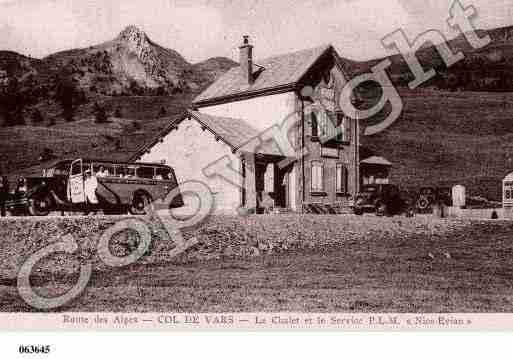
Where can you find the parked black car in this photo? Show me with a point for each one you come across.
(31, 196)
(382, 199)
(444, 195)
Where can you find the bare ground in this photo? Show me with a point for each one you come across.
(465, 269)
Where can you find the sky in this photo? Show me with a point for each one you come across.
(206, 28)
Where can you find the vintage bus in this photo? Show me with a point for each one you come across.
(122, 187)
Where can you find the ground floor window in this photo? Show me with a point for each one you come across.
(269, 178)
(342, 177)
(317, 176)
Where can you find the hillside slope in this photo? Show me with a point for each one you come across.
(448, 138)
(486, 69)
(455, 128)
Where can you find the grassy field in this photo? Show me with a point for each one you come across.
(140, 122)
(448, 138)
(373, 265)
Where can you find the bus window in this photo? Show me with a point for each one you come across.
(130, 172)
(120, 171)
(103, 170)
(162, 173)
(146, 172)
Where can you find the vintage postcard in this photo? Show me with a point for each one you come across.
(256, 165)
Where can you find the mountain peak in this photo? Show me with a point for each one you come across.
(131, 33)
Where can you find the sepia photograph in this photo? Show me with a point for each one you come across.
(222, 164)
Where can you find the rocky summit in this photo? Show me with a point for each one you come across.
(130, 64)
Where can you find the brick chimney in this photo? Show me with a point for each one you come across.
(246, 60)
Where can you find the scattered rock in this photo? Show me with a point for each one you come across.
(254, 252)
(229, 252)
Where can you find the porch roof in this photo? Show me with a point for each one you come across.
(376, 160)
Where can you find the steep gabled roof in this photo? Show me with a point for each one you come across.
(236, 133)
(270, 74)
(163, 133)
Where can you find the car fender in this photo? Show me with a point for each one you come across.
(39, 189)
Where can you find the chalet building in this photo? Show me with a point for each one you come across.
(320, 168)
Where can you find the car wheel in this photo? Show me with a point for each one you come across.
(422, 204)
(139, 203)
(381, 209)
(40, 205)
(358, 211)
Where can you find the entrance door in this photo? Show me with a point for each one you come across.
(285, 197)
(76, 192)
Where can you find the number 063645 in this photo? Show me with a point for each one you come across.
(34, 349)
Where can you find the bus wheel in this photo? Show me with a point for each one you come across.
(40, 205)
(139, 204)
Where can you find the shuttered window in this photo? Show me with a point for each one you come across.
(333, 127)
(344, 129)
(317, 177)
(326, 129)
(315, 124)
(341, 178)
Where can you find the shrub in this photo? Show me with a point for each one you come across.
(46, 155)
(7, 119)
(68, 114)
(162, 112)
(15, 118)
(100, 114)
(37, 117)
